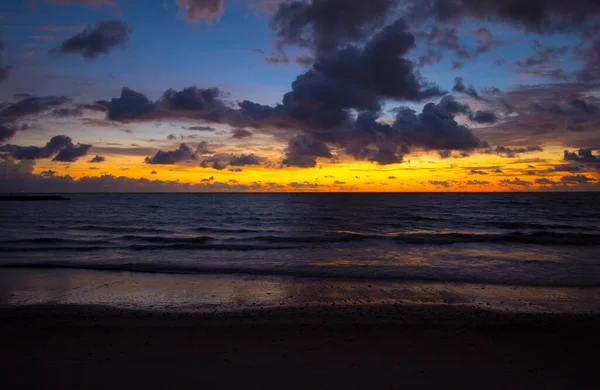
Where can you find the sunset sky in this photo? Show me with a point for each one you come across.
(322, 95)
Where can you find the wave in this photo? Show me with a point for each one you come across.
(119, 229)
(290, 242)
(236, 230)
(315, 272)
(539, 238)
(54, 240)
(523, 225)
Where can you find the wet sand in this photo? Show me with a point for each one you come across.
(384, 347)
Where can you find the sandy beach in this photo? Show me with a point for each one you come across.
(350, 348)
(237, 335)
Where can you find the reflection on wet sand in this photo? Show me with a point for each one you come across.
(209, 293)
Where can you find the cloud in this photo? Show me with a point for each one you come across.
(196, 10)
(515, 182)
(67, 112)
(434, 129)
(200, 128)
(545, 16)
(222, 161)
(4, 72)
(444, 184)
(484, 116)
(546, 182)
(478, 172)
(321, 25)
(303, 150)
(48, 173)
(584, 156)
(96, 40)
(19, 177)
(450, 105)
(6, 133)
(31, 105)
(97, 159)
(241, 133)
(513, 152)
(182, 153)
(576, 179)
(478, 183)
(60, 146)
(72, 153)
(460, 87)
(131, 105)
(243, 160)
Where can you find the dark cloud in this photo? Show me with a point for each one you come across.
(434, 129)
(352, 78)
(244, 159)
(534, 15)
(445, 154)
(48, 173)
(4, 72)
(222, 161)
(513, 152)
(131, 105)
(171, 137)
(183, 153)
(460, 87)
(584, 156)
(200, 128)
(515, 182)
(92, 107)
(444, 184)
(478, 172)
(191, 98)
(32, 105)
(576, 179)
(484, 116)
(60, 146)
(303, 150)
(97, 159)
(241, 133)
(478, 183)
(546, 182)
(324, 27)
(19, 177)
(6, 132)
(72, 153)
(449, 104)
(96, 40)
(67, 112)
(196, 10)
(584, 107)
(567, 168)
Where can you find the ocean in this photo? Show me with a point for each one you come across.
(529, 240)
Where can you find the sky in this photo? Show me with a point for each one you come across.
(281, 95)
